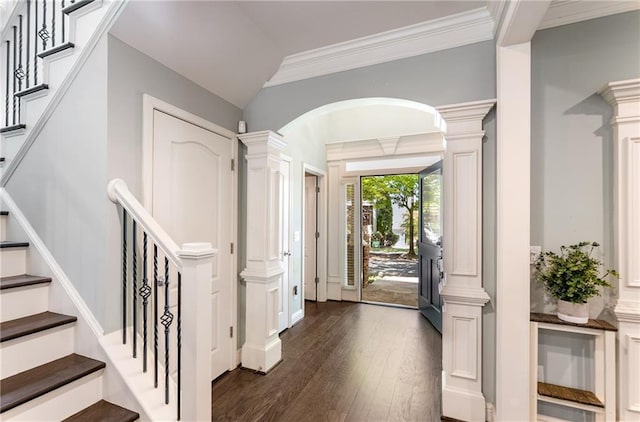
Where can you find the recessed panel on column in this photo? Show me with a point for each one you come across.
(465, 347)
(465, 214)
(634, 200)
(273, 295)
(633, 386)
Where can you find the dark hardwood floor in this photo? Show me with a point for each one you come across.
(343, 362)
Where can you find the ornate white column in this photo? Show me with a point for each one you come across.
(262, 348)
(624, 96)
(462, 292)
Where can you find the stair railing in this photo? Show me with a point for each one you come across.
(39, 28)
(152, 263)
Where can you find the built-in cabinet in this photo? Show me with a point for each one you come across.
(601, 402)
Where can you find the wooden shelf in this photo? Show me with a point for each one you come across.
(596, 324)
(569, 394)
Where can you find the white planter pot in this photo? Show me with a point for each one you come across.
(577, 313)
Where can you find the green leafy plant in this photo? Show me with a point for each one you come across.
(573, 275)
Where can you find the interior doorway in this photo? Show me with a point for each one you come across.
(389, 211)
(311, 236)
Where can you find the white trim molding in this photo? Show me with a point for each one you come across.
(624, 96)
(463, 294)
(439, 34)
(563, 12)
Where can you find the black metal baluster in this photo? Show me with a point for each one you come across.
(43, 33)
(35, 43)
(145, 291)
(53, 23)
(134, 268)
(20, 71)
(6, 103)
(15, 99)
(179, 329)
(124, 276)
(27, 55)
(63, 19)
(167, 318)
(155, 314)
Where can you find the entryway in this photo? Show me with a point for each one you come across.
(388, 206)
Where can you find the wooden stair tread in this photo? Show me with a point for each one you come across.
(75, 6)
(3, 212)
(56, 49)
(597, 324)
(569, 394)
(20, 388)
(20, 327)
(22, 280)
(32, 90)
(5, 244)
(103, 411)
(8, 129)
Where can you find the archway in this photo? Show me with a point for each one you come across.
(383, 129)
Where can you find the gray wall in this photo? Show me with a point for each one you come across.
(571, 139)
(60, 186)
(132, 74)
(444, 77)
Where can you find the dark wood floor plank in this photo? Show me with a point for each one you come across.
(20, 327)
(104, 411)
(20, 388)
(342, 362)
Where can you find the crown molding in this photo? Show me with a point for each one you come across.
(439, 34)
(563, 12)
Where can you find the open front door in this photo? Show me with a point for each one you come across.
(430, 244)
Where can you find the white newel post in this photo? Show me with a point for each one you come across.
(624, 96)
(197, 260)
(462, 292)
(263, 273)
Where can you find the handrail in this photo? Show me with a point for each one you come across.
(119, 193)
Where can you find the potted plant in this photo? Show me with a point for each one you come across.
(572, 277)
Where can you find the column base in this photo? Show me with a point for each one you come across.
(262, 358)
(463, 405)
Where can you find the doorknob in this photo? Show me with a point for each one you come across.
(286, 253)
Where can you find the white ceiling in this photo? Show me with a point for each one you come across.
(232, 48)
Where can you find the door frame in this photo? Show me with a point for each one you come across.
(289, 268)
(322, 240)
(151, 104)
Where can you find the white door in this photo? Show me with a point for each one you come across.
(283, 311)
(192, 202)
(310, 241)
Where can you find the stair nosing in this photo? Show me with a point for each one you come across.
(78, 416)
(4, 212)
(8, 244)
(29, 391)
(76, 6)
(54, 320)
(56, 49)
(11, 128)
(22, 280)
(31, 90)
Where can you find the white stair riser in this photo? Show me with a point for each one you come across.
(14, 261)
(3, 227)
(23, 301)
(27, 352)
(60, 403)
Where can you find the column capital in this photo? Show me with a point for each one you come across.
(465, 117)
(263, 140)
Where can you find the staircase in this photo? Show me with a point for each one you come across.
(42, 48)
(42, 379)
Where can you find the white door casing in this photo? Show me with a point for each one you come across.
(190, 191)
(310, 244)
(285, 224)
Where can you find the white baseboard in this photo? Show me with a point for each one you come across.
(463, 404)
(296, 317)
